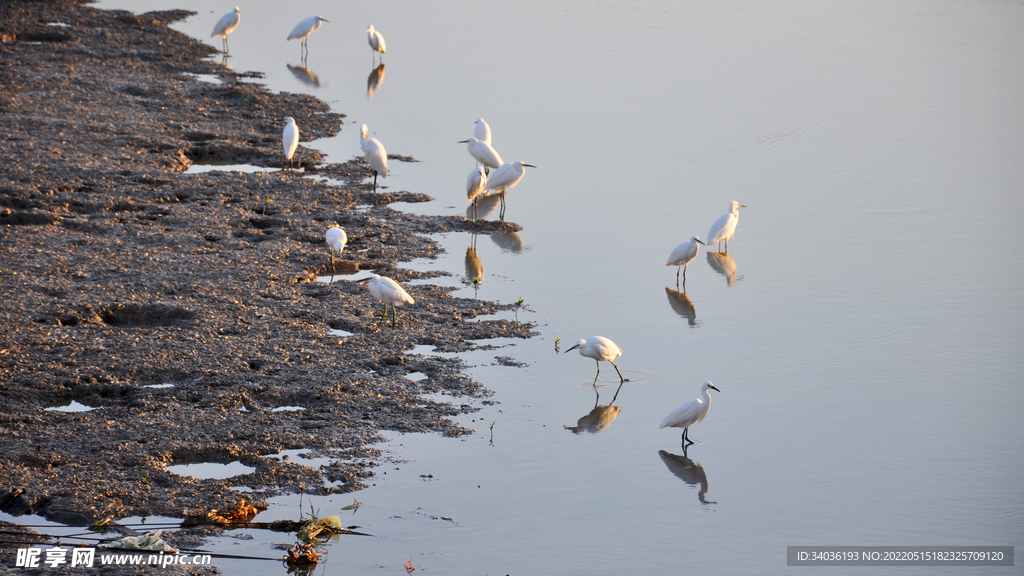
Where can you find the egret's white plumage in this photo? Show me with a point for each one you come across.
(505, 177)
(482, 131)
(725, 227)
(336, 239)
(305, 28)
(388, 291)
(290, 138)
(375, 155)
(683, 255)
(226, 25)
(376, 40)
(690, 412)
(475, 184)
(599, 348)
(483, 152)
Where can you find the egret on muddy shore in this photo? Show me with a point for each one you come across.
(683, 255)
(375, 155)
(388, 291)
(226, 25)
(289, 140)
(599, 348)
(304, 29)
(725, 227)
(336, 240)
(476, 183)
(690, 412)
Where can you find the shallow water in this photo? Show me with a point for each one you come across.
(862, 330)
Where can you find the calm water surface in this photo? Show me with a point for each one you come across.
(863, 330)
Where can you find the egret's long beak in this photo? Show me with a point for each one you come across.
(367, 279)
(713, 388)
(462, 141)
(530, 165)
(324, 20)
(699, 242)
(571, 349)
(743, 205)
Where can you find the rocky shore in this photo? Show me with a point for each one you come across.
(121, 272)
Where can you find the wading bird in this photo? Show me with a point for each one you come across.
(483, 153)
(388, 291)
(482, 131)
(289, 140)
(725, 227)
(226, 25)
(375, 155)
(304, 29)
(476, 183)
(336, 240)
(504, 178)
(599, 348)
(683, 255)
(376, 42)
(690, 412)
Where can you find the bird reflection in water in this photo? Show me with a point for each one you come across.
(485, 205)
(600, 417)
(724, 264)
(305, 75)
(508, 242)
(688, 471)
(682, 305)
(374, 80)
(474, 267)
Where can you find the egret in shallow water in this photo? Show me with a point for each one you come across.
(226, 25)
(375, 155)
(483, 153)
(388, 291)
(690, 412)
(683, 255)
(506, 177)
(599, 348)
(376, 41)
(725, 227)
(289, 140)
(482, 131)
(476, 183)
(336, 240)
(304, 29)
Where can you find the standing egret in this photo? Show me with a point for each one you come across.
(388, 291)
(376, 42)
(725, 227)
(226, 25)
(304, 29)
(482, 131)
(475, 184)
(683, 255)
(289, 140)
(506, 177)
(483, 153)
(690, 412)
(599, 348)
(336, 240)
(375, 155)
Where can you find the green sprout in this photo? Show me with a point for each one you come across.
(557, 340)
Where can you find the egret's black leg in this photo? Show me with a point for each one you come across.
(621, 379)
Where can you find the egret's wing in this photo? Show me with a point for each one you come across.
(715, 234)
(393, 292)
(684, 414)
(683, 253)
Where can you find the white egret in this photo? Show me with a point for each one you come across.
(289, 140)
(482, 131)
(683, 255)
(599, 348)
(388, 291)
(506, 177)
(475, 184)
(725, 227)
(376, 41)
(483, 152)
(304, 29)
(690, 412)
(336, 240)
(375, 155)
(226, 25)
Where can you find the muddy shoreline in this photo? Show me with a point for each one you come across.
(121, 272)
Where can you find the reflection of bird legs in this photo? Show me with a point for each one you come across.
(598, 394)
